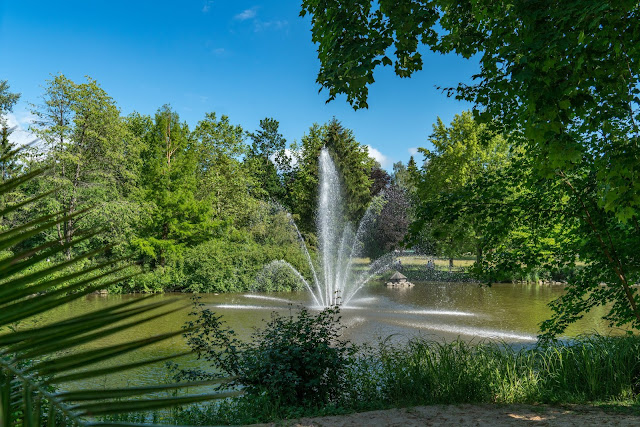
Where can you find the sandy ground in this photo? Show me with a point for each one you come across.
(475, 415)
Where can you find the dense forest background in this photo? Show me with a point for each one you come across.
(200, 210)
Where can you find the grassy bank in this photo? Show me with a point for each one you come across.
(416, 267)
(590, 369)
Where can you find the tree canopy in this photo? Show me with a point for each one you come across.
(561, 78)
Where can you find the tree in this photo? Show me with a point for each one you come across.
(8, 164)
(560, 74)
(267, 159)
(352, 161)
(7, 99)
(403, 178)
(177, 218)
(380, 180)
(86, 147)
(462, 153)
(390, 225)
(222, 179)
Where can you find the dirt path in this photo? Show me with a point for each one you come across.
(475, 415)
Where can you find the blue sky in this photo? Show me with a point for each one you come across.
(245, 59)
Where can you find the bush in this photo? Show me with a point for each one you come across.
(300, 361)
(277, 276)
(222, 266)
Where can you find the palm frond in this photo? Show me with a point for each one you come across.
(35, 363)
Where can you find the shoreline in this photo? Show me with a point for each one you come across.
(380, 282)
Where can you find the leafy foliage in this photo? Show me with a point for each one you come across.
(8, 166)
(85, 152)
(299, 360)
(587, 370)
(390, 225)
(268, 160)
(199, 208)
(462, 153)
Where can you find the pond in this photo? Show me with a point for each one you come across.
(441, 311)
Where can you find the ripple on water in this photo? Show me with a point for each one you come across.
(466, 330)
(365, 300)
(435, 312)
(245, 307)
(264, 297)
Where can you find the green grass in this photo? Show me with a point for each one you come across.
(416, 260)
(590, 369)
(421, 261)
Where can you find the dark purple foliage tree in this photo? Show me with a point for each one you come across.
(391, 226)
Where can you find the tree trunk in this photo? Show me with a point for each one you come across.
(71, 222)
(479, 254)
(450, 265)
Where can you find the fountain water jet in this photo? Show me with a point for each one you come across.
(336, 281)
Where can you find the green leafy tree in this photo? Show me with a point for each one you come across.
(177, 218)
(402, 177)
(87, 151)
(8, 164)
(222, 180)
(352, 161)
(268, 160)
(7, 99)
(462, 152)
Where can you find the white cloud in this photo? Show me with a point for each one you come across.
(413, 151)
(293, 161)
(269, 25)
(259, 24)
(378, 156)
(206, 7)
(247, 14)
(215, 49)
(20, 123)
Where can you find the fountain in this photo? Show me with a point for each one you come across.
(336, 281)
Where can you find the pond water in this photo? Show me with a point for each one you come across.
(442, 311)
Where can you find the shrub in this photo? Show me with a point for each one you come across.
(277, 276)
(222, 266)
(299, 360)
